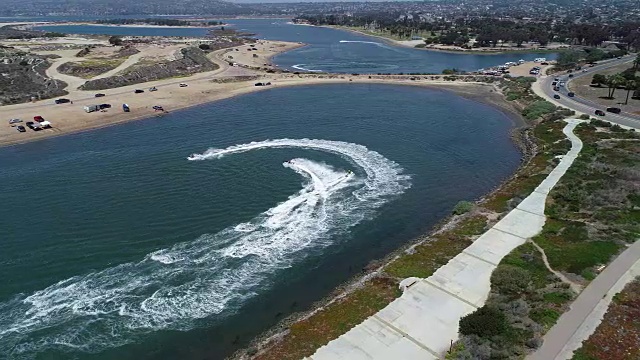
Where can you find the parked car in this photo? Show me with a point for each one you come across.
(556, 96)
(183, 85)
(15, 121)
(21, 128)
(104, 106)
(62, 101)
(100, 95)
(561, 83)
(158, 108)
(571, 94)
(33, 126)
(570, 75)
(614, 110)
(153, 89)
(138, 91)
(600, 113)
(556, 89)
(38, 118)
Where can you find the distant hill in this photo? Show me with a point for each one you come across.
(122, 7)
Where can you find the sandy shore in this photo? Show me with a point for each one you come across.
(225, 82)
(201, 89)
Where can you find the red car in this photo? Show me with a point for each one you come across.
(38, 118)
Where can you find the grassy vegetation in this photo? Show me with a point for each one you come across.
(88, 69)
(591, 215)
(308, 335)
(618, 335)
(426, 258)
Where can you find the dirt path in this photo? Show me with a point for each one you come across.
(577, 288)
(587, 311)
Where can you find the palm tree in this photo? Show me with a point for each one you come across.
(630, 85)
(613, 81)
(636, 62)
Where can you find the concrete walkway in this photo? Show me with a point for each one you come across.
(577, 324)
(423, 322)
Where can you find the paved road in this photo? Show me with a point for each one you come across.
(579, 104)
(582, 308)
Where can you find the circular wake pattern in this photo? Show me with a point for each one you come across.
(214, 274)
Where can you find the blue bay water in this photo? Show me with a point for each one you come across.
(330, 50)
(116, 246)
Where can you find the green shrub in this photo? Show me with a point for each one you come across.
(462, 207)
(584, 117)
(484, 322)
(510, 280)
(537, 109)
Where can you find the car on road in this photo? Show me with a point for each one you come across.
(62, 101)
(571, 94)
(554, 83)
(183, 85)
(100, 95)
(561, 83)
(15, 121)
(556, 89)
(600, 113)
(556, 96)
(570, 75)
(21, 128)
(592, 65)
(614, 110)
(138, 91)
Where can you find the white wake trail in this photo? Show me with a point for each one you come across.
(215, 274)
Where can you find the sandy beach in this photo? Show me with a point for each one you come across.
(225, 82)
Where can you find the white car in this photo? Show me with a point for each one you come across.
(153, 89)
(15, 121)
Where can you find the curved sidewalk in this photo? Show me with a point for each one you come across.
(422, 323)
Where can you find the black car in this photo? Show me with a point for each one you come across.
(62, 101)
(21, 128)
(614, 110)
(556, 96)
(100, 95)
(570, 75)
(600, 113)
(104, 106)
(31, 125)
(571, 94)
(138, 91)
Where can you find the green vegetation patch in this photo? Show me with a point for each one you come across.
(336, 319)
(426, 258)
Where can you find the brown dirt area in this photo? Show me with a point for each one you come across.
(581, 87)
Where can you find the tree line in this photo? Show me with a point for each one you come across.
(487, 31)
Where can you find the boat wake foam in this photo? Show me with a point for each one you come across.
(171, 289)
